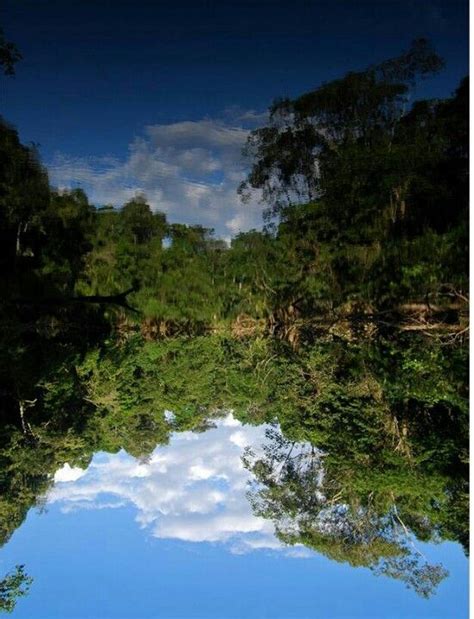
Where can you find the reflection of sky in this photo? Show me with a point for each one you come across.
(90, 560)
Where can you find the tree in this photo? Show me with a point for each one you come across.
(355, 116)
(138, 220)
(9, 55)
(24, 200)
(371, 192)
(293, 488)
(69, 224)
(14, 585)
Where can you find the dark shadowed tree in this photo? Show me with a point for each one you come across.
(138, 220)
(351, 120)
(9, 55)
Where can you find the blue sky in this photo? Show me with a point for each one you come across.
(101, 565)
(175, 537)
(158, 96)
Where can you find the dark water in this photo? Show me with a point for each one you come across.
(332, 494)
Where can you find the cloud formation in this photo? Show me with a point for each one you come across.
(193, 489)
(190, 170)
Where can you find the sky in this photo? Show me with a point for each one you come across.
(158, 97)
(175, 537)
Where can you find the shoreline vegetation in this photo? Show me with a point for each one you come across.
(365, 230)
(344, 320)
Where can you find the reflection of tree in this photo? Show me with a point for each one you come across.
(14, 585)
(295, 489)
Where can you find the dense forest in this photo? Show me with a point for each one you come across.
(367, 210)
(344, 319)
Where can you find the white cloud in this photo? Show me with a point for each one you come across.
(68, 473)
(190, 170)
(193, 489)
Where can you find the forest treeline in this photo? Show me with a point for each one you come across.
(367, 195)
(391, 419)
(365, 235)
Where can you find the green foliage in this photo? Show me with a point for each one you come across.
(378, 431)
(371, 194)
(14, 585)
(345, 121)
(371, 198)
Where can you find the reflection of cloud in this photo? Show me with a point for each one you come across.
(190, 170)
(193, 489)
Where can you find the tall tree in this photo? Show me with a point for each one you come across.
(356, 114)
(14, 585)
(9, 55)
